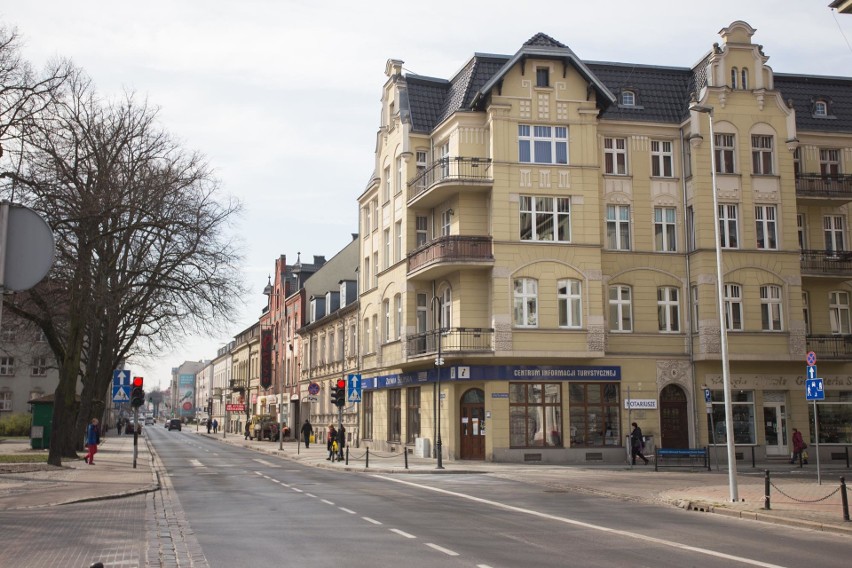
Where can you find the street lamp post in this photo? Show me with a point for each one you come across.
(439, 362)
(723, 328)
(269, 292)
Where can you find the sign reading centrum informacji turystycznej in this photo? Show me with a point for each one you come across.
(497, 373)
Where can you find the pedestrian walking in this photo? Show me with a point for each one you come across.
(341, 442)
(637, 444)
(307, 432)
(209, 426)
(215, 426)
(93, 438)
(799, 446)
(248, 430)
(118, 426)
(330, 440)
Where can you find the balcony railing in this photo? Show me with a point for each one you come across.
(455, 169)
(238, 385)
(453, 340)
(451, 248)
(818, 185)
(826, 262)
(830, 346)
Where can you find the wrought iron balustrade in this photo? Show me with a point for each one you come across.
(826, 262)
(830, 346)
(458, 168)
(818, 185)
(453, 339)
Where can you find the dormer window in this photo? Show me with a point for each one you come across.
(542, 77)
(820, 108)
(628, 98)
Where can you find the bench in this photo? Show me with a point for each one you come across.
(682, 457)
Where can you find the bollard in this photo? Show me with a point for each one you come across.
(405, 453)
(766, 489)
(844, 499)
(847, 457)
(368, 459)
(347, 455)
(752, 457)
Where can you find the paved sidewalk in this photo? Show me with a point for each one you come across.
(795, 497)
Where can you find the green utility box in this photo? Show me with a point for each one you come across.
(42, 411)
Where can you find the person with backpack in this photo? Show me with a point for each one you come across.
(93, 438)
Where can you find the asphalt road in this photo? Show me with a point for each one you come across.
(251, 509)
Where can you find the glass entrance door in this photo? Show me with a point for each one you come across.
(775, 428)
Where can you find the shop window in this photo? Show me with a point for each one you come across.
(835, 417)
(594, 414)
(535, 415)
(742, 404)
(412, 422)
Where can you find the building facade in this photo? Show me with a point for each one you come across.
(538, 254)
(27, 366)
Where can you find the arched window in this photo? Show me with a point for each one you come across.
(745, 79)
(628, 98)
(733, 77)
(820, 108)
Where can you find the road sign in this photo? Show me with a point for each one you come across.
(353, 387)
(313, 388)
(707, 396)
(812, 372)
(814, 389)
(234, 407)
(119, 393)
(811, 359)
(120, 377)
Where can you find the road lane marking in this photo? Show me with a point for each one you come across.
(345, 510)
(628, 534)
(195, 463)
(297, 490)
(402, 533)
(326, 501)
(311, 495)
(446, 551)
(264, 462)
(369, 520)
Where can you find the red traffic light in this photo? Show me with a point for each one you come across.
(341, 384)
(137, 382)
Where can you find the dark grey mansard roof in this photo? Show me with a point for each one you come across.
(662, 93)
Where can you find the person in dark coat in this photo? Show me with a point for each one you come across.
(330, 438)
(341, 442)
(798, 446)
(307, 431)
(637, 444)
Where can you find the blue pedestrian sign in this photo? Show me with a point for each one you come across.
(121, 385)
(353, 387)
(814, 389)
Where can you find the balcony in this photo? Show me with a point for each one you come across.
(444, 255)
(439, 180)
(826, 188)
(237, 385)
(826, 263)
(830, 346)
(453, 340)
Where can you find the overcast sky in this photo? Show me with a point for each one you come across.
(283, 96)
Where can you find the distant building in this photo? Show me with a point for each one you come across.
(27, 367)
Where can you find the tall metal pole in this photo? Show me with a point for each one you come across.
(439, 361)
(723, 328)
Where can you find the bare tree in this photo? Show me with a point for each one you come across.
(143, 253)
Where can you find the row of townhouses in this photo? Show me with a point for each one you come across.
(537, 265)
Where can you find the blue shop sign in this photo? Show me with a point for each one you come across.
(464, 373)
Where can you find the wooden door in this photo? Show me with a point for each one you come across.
(472, 430)
(674, 420)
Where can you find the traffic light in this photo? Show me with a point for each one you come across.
(334, 395)
(137, 395)
(340, 393)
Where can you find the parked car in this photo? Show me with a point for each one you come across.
(128, 427)
(174, 424)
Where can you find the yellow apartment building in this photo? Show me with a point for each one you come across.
(538, 246)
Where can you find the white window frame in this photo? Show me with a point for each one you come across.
(569, 297)
(801, 231)
(729, 234)
(820, 108)
(367, 218)
(446, 222)
(668, 309)
(662, 159)
(726, 151)
(367, 272)
(771, 312)
(766, 226)
(762, 155)
(525, 300)
(387, 327)
(620, 309)
(806, 311)
(834, 231)
(628, 98)
(375, 269)
(446, 308)
(6, 401)
(665, 229)
(829, 161)
(387, 185)
(422, 160)
(39, 366)
(536, 142)
(694, 295)
(399, 178)
(838, 312)
(538, 214)
(618, 227)
(7, 366)
(733, 307)
(615, 156)
(421, 230)
(388, 245)
(397, 304)
(397, 227)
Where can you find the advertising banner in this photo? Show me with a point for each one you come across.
(186, 395)
(266, 358)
